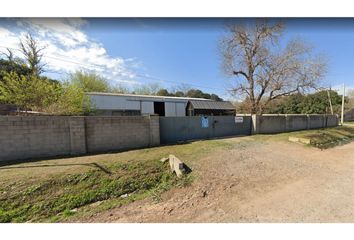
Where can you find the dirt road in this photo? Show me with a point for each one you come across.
(256, 181)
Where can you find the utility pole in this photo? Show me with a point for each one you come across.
(330, 101)
(342, 117)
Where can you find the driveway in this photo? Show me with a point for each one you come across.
(256, 181)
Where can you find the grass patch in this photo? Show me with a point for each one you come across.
(328, 137)
(54, 194)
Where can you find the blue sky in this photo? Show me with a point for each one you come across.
(168, 51)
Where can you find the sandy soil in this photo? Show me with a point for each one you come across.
(256, 182)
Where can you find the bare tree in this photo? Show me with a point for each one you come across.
(265, 71)
(33, 54)
(9, 55)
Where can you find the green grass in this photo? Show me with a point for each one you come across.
(352, 123)
(323, 138)
(68, 188)
(331, 137)
(320, 138)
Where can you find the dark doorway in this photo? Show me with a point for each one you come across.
(159, 108)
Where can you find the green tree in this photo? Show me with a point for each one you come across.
(215, 97)
(315, 103)
(27, 92)
(147, 89)
(89, 82)
(7, 66)
(196, 93)
(179, 94)
(163, 92)
(119, 89)
(70, 100)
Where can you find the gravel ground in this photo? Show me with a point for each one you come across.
(256, 181)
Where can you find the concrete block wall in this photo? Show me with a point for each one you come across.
(119, 133)
(349, 116)
(29, 137)
(271, 123)
(154, 130)
(33, 136)
(77, 135)
(296, 122)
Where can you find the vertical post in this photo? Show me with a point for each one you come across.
(330, 102)
(255, 124)
(342, 117)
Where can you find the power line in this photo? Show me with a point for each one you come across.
(103, 68)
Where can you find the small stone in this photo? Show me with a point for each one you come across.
(95, 204)
(73, 210)
(124, 195)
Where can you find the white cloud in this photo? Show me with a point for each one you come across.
(68, 47)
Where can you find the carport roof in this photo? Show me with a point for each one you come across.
(222, 105)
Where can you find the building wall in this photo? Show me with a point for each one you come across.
(147, 107)
(47, 136)
(107, 104)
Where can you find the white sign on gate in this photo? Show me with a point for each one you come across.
(238, 119)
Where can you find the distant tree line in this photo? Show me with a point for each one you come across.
(193, 93)
(314, 103)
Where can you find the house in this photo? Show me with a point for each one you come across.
(115, 104)
(209, 108)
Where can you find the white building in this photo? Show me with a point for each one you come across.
(130, 104)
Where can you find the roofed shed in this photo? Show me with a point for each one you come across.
(210, 108)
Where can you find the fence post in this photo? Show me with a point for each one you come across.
(308, 121)
(255, 124)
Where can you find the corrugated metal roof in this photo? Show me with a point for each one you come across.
(212, 105)
(144, 96)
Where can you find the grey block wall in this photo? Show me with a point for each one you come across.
(269, 123)
(118, 133)
(77, 135)
(31, 137)
(349, 116)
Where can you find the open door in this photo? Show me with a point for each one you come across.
(159, 108)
